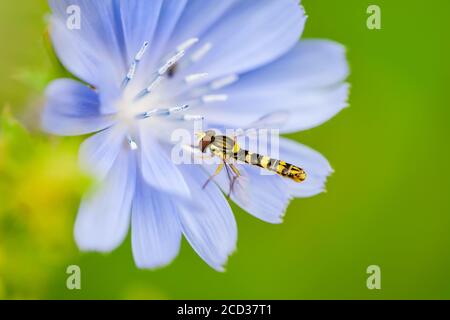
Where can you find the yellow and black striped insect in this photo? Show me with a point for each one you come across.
(229, 151)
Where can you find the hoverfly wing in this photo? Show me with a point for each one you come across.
(274, 120)
(238, 189)
(258, 136)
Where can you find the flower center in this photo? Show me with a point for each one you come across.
(154, 101)
(146, 104)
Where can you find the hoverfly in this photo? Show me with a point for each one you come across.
(228, 150)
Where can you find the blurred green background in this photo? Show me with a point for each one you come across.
(387, 204)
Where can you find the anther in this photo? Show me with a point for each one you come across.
(150, 88)
(141, 52)
(181, 51)
(188, 117)
(179, 109)
(200, 53)
(161, 112)
(215, 98)
(195, 77)
(187, 44)
(132, 143)
(132, 71)
(146, 114)
(171, 62)
(223, 82)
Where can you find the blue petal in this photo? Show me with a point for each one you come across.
(310, 64)
(139, 20)
(307, 83)
(209, 226)
(198, 17)
(73, 109)
(99, 152)
(111, 34)
(169, 14)
(157, 168)
(103, 218)
(95, 52)
(304, 110)
(267, 29)
(156, 233)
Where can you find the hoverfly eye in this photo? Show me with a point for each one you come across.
(203, 145)
(205, 142)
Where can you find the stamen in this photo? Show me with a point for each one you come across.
(150, 88)
(161, 112)
(187, 44)
(141, 52)
(195, 77)
(200, 53)
(215, 98)
(146, 114)
(223, 82)
(132, 71)
(179, 109)
(155, 83)
(188, 117)
(181, 51)
(132, 143)
(171, 62)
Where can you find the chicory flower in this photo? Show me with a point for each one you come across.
(146, 68)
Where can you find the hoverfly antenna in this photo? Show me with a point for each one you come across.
(201, 134)
(203, 123)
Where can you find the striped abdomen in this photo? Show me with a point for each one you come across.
(280, 167)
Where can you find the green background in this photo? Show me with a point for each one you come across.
(387, 203)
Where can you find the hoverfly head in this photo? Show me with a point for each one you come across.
(206, 138)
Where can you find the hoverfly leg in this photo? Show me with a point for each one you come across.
(235, 170)
(230, 179)
(236, 175)
(233, 180)
(218, 170)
